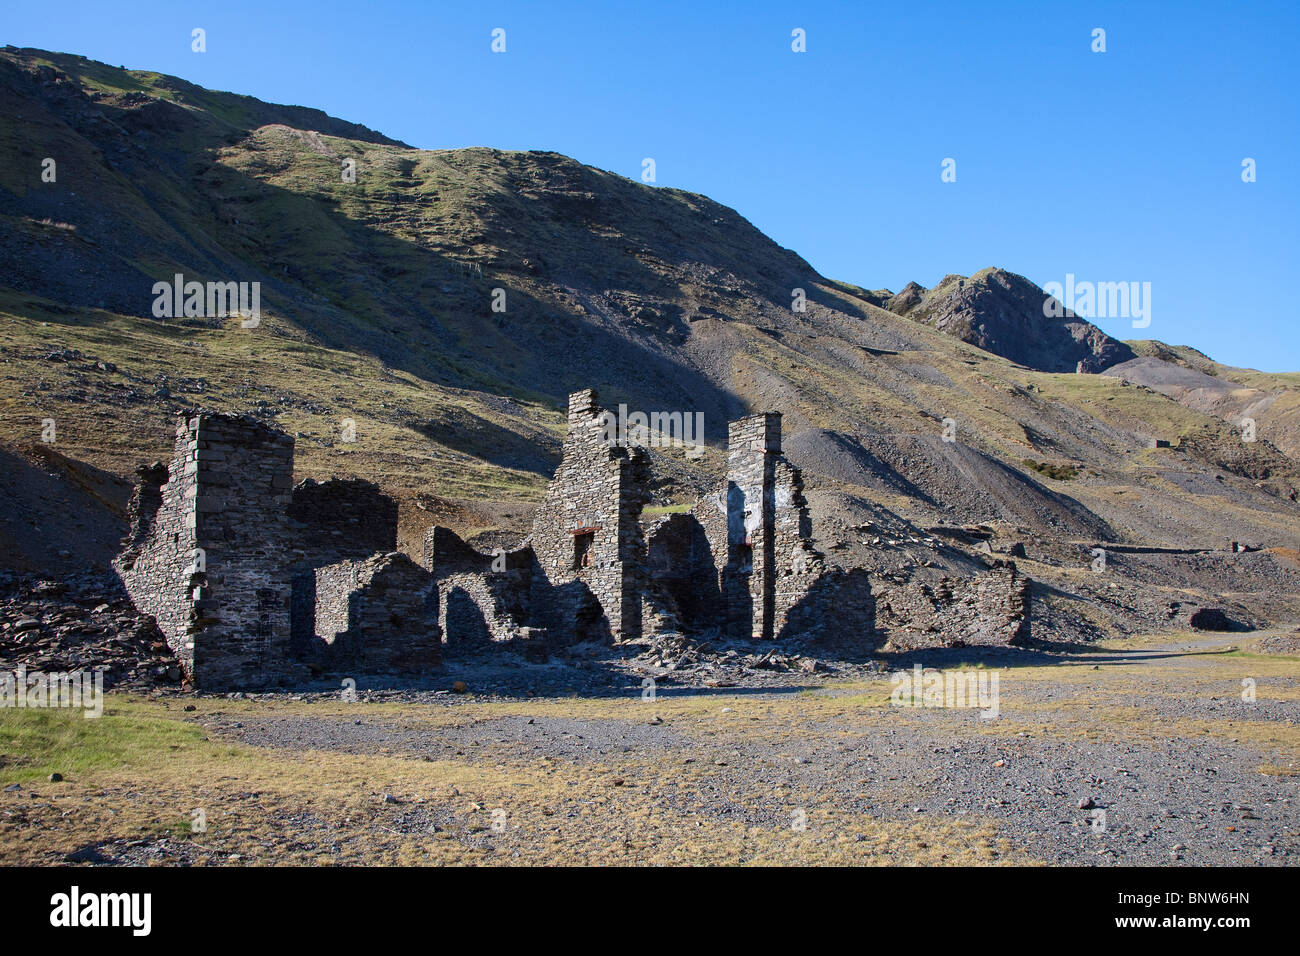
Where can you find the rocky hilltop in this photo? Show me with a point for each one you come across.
(1003, 313)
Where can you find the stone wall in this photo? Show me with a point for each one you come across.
(239, 568)
(798, 567)
(773, 584)
(378, 615)
(683, 579)
(332, 589)
(344, 516)
(245, 481)
(586, 536)
(749, 572)
(482, 598)
(989, 609)
(836, 607)
(209, 564)
(158, 564)
(332, 522)
(581, 575)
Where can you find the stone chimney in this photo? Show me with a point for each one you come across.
(749, 577)
(582, 405)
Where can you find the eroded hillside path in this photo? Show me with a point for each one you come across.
(1149, 752)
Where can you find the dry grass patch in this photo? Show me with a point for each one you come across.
(137, 776)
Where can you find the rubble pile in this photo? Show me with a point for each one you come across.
(82, 624)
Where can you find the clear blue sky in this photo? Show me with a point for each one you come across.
(1115, 166)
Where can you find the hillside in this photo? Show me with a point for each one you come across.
(377, 306)
(1192, 379)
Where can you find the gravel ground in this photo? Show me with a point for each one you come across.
(1075, 786)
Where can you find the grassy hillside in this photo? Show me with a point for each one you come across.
(377, 305)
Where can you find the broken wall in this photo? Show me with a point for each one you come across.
(333, 521)
(482, 598)
(377, 615)
(237, 566)
(682, 588)
(208, 562)
(748, 574)
(586, 536)
(772, 582)
(344, 516)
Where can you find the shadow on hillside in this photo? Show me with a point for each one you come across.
(491, 442)
(355, 287)
(58, 514)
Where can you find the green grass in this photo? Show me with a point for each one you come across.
(266, 805)
(667, 509)
(390, 409)
(37, 742)
(1256, 656)
(1061, 472)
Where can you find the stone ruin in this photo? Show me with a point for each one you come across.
(257, 582)
(991, 609)
(593, 569)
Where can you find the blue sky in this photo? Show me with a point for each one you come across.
(1115, 166)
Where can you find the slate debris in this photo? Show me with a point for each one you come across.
(82, 623)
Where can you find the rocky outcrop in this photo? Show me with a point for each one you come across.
(1003, 313)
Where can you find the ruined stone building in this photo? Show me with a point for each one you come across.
(989, 609)
(580, 575)
(771, 579)
(588, 570)
(256, 581)
(740, 562)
